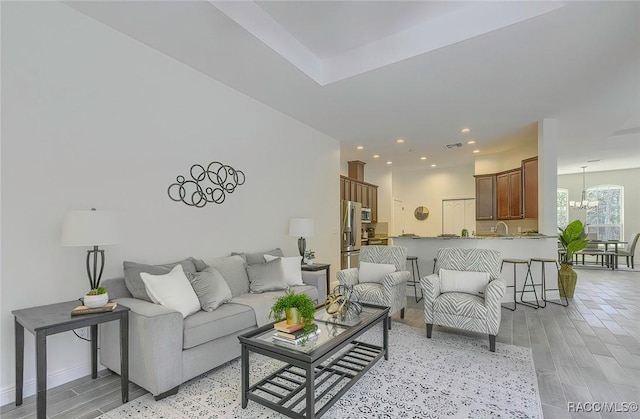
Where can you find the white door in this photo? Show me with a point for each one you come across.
(470, 215)
(447, 217)
(458, 214)
(398, 217)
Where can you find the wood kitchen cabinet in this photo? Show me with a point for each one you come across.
(362, 192)
(530, 187)
(485, 197)
(509, 195)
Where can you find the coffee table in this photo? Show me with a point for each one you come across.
(317, 374)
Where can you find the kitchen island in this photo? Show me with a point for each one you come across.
(514, 247)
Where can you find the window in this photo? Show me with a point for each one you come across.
(607, 219)
(563, 207)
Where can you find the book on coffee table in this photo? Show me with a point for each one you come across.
(86, 310)
(287, 328)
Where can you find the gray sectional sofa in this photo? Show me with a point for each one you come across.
(166, 349)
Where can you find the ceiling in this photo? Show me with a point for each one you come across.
(370, 72)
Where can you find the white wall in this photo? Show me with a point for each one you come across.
(507, 160)
(429, 187)
(92, 118)
(627, 178)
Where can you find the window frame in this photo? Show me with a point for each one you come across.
(592, 195)
(564, 210)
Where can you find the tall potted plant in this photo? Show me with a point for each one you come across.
(573, 239)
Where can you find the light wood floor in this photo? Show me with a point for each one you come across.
(587, 352)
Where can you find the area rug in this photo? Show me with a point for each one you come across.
(450, 376)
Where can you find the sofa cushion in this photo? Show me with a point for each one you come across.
(266, 276)
(204, 326)
(134, 283)
(258, 257)
(463, 281)
(211, 288)
(374, 272)
(199, 263)
(172, 290)
(232, 270)
(291, 268)
(461, 304)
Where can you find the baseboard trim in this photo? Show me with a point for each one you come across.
(8, 394)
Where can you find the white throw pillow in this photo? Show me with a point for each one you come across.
(374, 272)
(463, 281)
(291, 269)
(172, 290)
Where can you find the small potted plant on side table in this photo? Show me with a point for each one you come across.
(310, 255)
(298, 308)
(96, 298)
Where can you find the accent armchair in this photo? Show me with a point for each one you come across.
(391, 290)
(478, 312)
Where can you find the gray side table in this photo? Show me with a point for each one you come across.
(320, 267)
(56, 318)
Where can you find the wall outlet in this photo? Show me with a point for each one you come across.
(83, 332)
(519, 229)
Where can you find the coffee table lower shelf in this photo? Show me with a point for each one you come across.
(287, 389)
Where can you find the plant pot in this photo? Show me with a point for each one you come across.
(293, 316)
(567, 279)
(93, 301)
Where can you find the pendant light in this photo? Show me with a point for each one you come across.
(584, 203)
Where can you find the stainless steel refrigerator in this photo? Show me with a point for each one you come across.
(351, 233)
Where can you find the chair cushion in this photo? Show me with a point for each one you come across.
(463, 281)
(461, 304)
(369, 292)
(374, 272)
(204, 326)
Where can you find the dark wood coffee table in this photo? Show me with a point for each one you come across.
(318, 373)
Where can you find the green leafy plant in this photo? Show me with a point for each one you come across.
(302, 302)
(573, 239)
(97, 291)
(310, 255)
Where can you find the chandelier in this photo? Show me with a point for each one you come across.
(584, 203)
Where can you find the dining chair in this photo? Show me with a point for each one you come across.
(630, 250)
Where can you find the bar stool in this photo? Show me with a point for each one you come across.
(416, 280)
(515, 263)
(543, 261)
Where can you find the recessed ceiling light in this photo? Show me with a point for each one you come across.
(465, 130)
(476, 151)
(375, 156)
(360, 147)
(389, 162)
(400, 141)
(423, 158)
(471, 142)
(433, 165)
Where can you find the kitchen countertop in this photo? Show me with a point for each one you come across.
(481, 237)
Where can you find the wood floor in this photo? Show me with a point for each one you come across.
(587, 352)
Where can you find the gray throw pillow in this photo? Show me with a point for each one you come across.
(199, 263)
(134, 283)
(232, 270)
(211, 288)
(258, 257)
(266, 276)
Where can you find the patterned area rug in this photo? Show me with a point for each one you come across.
(448, 376)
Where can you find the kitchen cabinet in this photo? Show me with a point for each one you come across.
(530, 187)
(509, 195)
(485, 197)
(362, 192)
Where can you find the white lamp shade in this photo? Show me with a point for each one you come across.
(90, 228)
(301, 227)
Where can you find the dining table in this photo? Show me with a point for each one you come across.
(607, 243)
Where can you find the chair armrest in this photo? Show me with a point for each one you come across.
(492, 299)
(155, 345)
(347, 276)
(430, 290)
(396, 278)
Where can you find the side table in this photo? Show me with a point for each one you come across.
(319, 267)
(48, 320)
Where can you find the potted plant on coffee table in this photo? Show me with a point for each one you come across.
(573, 239)
(297, 308)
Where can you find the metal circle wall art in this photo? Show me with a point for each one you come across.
(208, 185)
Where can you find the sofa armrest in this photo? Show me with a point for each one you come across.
(430, 290)
(155, 345)
(347, 276)
(317, 279)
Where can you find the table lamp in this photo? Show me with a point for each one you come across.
(302, 228)
(91, 228)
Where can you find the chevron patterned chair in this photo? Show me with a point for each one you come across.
(477, 313)
(392, 291)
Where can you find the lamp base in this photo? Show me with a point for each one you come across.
(302, 245)
(94, 280)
